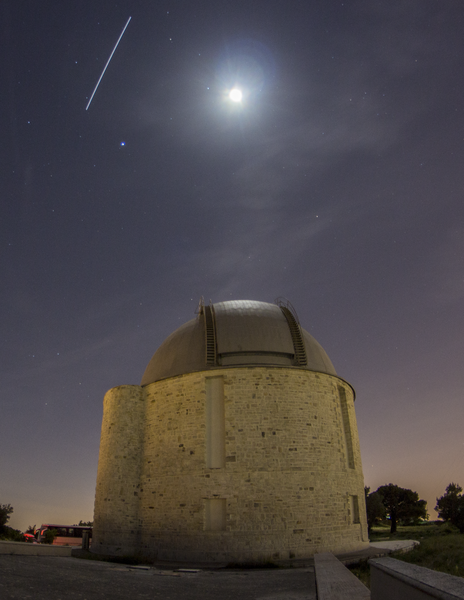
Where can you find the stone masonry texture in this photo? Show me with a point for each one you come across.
(287, 481)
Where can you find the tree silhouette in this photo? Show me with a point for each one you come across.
(402, 505)
(450, 507)
(376, 511)
(5, 512)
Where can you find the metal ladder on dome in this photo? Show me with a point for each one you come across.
(295, 331)
(210, 333)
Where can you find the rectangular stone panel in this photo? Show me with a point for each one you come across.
(215, 423)
(215, 514)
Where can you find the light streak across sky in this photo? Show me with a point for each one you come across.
(107, 63)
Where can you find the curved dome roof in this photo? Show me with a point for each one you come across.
(235, 334)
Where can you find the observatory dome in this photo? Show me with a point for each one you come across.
(238, 333)
(239, 447)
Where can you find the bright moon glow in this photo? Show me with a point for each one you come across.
(235, 95)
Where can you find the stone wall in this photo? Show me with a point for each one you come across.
(285, 491)
(116, 527)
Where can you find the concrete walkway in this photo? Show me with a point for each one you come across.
(395, 545)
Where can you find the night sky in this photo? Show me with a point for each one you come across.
(337, 182)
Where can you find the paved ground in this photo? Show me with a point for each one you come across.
(70, 578)
(63, 578)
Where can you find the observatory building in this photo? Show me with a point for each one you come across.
(239, 446)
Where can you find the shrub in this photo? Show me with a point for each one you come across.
(11, 535)
(49, 536)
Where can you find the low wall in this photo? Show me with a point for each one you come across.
(33, 549)
(391, 578)
(335, 581)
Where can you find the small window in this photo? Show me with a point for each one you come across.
(346, 427)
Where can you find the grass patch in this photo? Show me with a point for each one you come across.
(441, 548)
(362, 572)
(444, 553)
(421, 532)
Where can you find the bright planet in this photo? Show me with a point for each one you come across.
(235, 95)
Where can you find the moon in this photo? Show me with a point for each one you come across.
(235, 95)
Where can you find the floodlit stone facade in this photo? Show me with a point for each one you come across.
(240, 462)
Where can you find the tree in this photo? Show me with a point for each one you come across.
(85, 523)
(5, 512)
(450, 506)
(13, 535)
(402, 505)
(375, 509)
(31, 529)
(447, 505)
